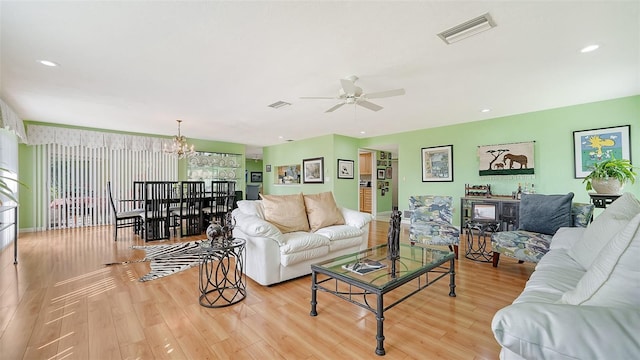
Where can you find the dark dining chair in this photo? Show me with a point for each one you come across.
(156, 216)
(122, 219)
(189, 217)
(223, 194)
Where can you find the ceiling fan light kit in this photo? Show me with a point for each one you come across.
(467, 29)
(349, 93)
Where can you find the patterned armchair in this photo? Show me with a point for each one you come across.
(532, 246)
(431, 220)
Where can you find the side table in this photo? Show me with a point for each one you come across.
(222, 278)
(602, 200)
(480, 230)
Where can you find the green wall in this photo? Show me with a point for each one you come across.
(552, 130)
(331, 148)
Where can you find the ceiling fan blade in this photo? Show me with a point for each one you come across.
(369, 105)
(317, 97)
(335, 107)
(384, 94)
(348, 86)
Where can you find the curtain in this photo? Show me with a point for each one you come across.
(10, 120)
(73, 166)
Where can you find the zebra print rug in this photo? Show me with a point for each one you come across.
(168, 259)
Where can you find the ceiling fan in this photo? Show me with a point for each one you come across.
(349, 93)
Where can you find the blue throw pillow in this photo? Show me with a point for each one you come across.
(545, 213)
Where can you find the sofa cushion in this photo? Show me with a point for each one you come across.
(612, 279)
(286, 212)
(299, 240)
(339, 232)
(322, 210)
(604, 227)
(545, 213)
(251, 207)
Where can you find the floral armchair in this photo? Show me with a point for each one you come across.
(431, 222)
(531, 246)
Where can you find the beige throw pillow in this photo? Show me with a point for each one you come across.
(322, 210)
(286, 212)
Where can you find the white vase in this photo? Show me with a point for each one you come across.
(607, 186)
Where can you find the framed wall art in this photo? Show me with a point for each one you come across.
(288, 174)
(268, 168)
(506, 159)
(345, 169)
(313, 171)
(437, 163)
(380, 174)
(593, 146)
(256, 176)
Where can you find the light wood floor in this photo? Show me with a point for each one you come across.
(61, 302)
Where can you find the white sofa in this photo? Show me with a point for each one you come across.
(275, 255)
(583, 299)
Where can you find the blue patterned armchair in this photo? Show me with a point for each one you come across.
(431, 220)
(532, 246)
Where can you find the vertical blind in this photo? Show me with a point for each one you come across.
(73, 167)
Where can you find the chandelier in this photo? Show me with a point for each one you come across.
(179, 146)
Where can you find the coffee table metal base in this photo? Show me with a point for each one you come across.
(331, 283)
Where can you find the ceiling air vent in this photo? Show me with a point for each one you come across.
(279, 104)
(467, 28)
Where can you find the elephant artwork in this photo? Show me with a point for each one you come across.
(506, 159)
(521, 159)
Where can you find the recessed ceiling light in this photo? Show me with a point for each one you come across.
(485, 110)
(280, 137)
(589, 48)
(47, 63)
(363, 132)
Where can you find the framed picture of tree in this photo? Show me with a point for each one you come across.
(437, 163)
(313, 171)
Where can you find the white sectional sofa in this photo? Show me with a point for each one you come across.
(583, 299)
(285, 234)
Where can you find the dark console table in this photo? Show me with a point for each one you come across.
(602, 200)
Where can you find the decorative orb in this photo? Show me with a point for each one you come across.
(214, 231)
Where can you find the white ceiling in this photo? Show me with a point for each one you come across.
(139, 66)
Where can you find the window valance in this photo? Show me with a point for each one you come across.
(42, 134)
(10, 120)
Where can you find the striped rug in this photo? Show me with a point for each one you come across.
(168, 259)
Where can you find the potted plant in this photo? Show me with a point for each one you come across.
(609, 176)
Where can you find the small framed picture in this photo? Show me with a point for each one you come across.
(383, 155)
(268, 168)
(313, 171)
(437, 163)
(380, 174)
(389, 173)
(345, 169)
(256, 176)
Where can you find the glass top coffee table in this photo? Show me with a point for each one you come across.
(375, 275)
